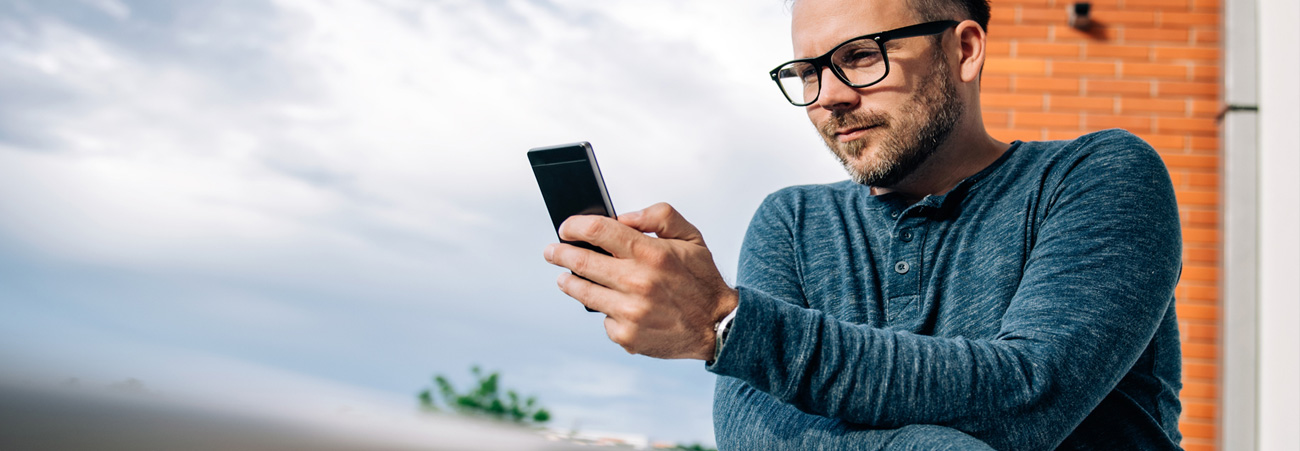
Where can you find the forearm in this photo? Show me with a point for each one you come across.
(1011, 393)
(747, 419)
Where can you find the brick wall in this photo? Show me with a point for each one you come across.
(1151, 67)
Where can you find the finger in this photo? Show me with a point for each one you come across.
(594, 266)
(591, 295)
(617, 333)
(664, 221)
(604, 232)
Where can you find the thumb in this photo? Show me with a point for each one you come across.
(664, 221)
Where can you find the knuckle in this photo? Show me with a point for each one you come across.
(593, 228)
(638, 285)
(580, 262)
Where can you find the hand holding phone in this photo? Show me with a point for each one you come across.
(571, 185)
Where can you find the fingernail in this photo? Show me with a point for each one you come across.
(550, 251)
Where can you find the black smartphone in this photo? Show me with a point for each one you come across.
(571, 184)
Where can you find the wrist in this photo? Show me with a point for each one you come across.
(722, 326)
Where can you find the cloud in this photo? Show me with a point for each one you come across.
(343, 184)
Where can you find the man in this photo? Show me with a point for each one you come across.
(958, 293)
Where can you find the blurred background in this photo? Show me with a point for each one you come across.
(328, 203)
(203, 196)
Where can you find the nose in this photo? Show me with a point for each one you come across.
(835, 95)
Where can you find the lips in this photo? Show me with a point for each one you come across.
(852, 133)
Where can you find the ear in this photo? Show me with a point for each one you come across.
(972, 42)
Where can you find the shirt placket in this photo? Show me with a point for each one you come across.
(903, 276)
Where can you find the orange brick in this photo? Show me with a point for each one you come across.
(1165, 142)
(1201, 255)
(1131, 52)
(1137, 124)
(996, 118)
(1129, 106)
(1002, 17)
(1198, 390)
(1203, 90)
(1200, 273)
(1204, 142)
(1207, 5)
(1205, 108)
(1205, 37)
(1099, 104)
(1017, 101)
(1118, 17)
(1187, 19)
(1187, 53)
(1012, 134)
(1015, 66)
(1205, 73)
(1201, 198)
(1020, 31)
(1139, 4)
(998, 48)
(1197, 126)
(1083, 68)
(1199, 410)
(1066, 33)
(995, 83)
(1199, 370)
(1043, 15)
(1139, 88)
(1132, 35)
(1203, 218)
(1049, 50)
(1201, 293)
(1053, 135)
(1191, 161)
(1203, 180)
(1049, 120)
(1164, 71)
(1179, 180)
(1195, 235)
(1197, 430)
(1038, 84)
(1204, 332)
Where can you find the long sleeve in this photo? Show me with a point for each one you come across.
(1097, 282)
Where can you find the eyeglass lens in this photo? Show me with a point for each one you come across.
(859, 63)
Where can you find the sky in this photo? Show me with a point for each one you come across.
(242, 196)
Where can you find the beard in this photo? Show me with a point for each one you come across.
(924, 123)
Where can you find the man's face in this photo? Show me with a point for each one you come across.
(883, 132)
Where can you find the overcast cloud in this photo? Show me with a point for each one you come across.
(338, 190)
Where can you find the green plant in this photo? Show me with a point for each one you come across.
(484, 401)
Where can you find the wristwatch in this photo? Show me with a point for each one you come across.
(720, 331)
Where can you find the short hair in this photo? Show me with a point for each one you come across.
(931, 10)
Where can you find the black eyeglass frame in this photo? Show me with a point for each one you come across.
(921, 29)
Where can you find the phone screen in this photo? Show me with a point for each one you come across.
(571, 184)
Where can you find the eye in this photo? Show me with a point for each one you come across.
(853, 56)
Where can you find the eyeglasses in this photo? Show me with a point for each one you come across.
(858, 62)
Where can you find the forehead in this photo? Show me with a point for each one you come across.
(819, 25)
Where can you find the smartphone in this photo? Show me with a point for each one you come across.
(571, 185)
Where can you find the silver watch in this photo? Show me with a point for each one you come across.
(720, 331)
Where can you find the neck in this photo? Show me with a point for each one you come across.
(962, 155)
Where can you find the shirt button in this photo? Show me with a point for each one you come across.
(901, 267)
(905, 235)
